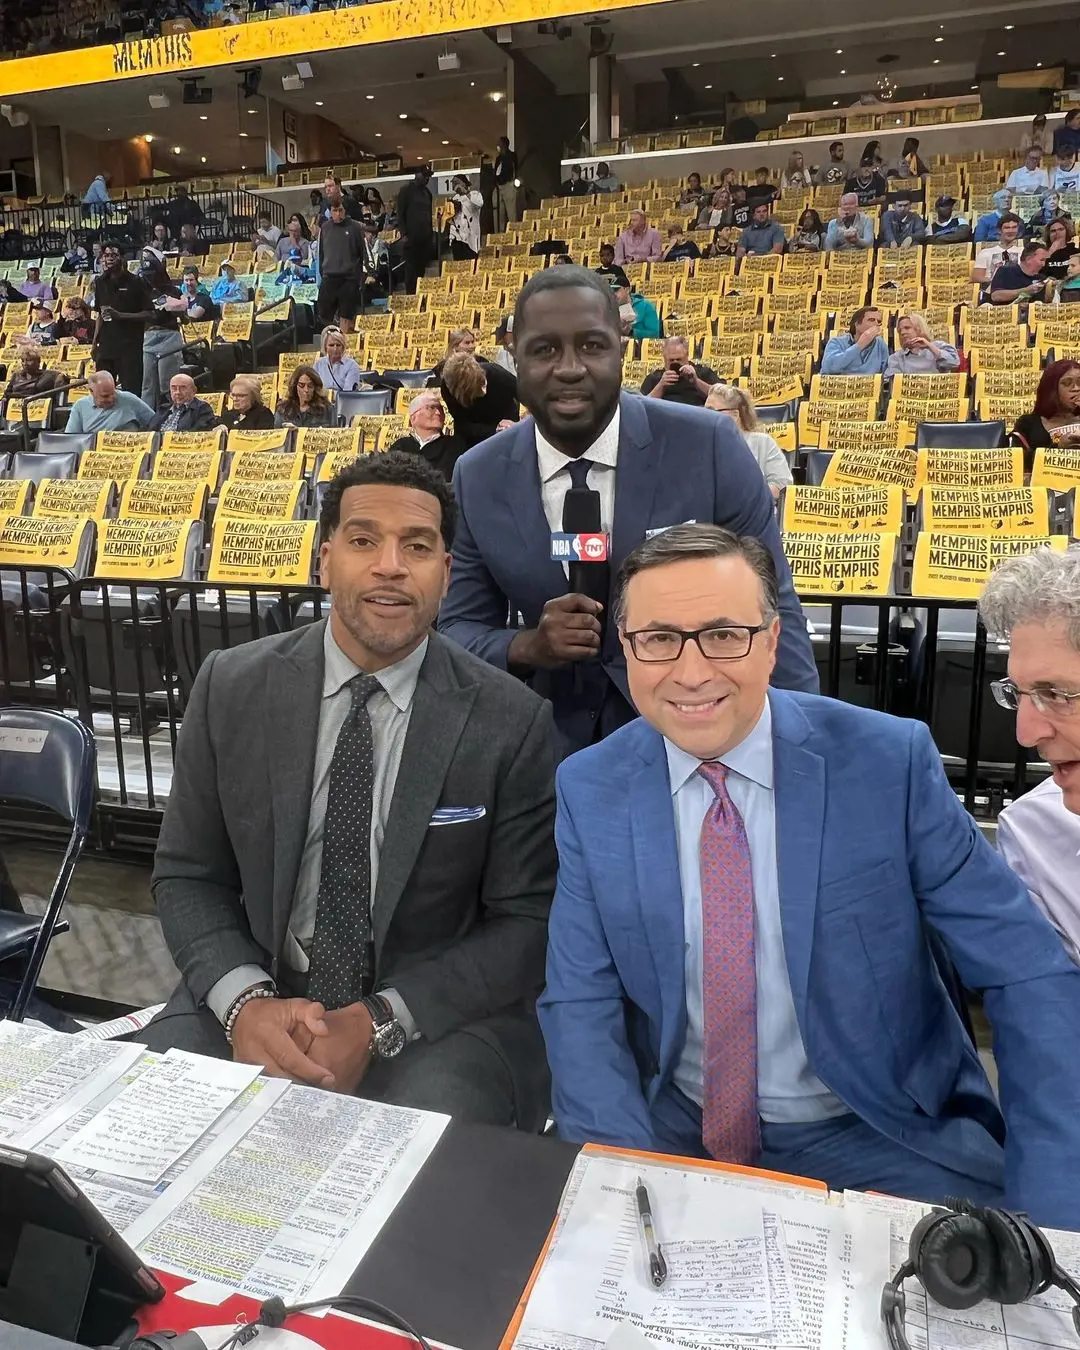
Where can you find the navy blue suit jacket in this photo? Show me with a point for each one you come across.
(675, 464)
(874, 852)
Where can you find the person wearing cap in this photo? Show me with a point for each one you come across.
(227, 290)
(504, 336)
(42, 326)
(465, 224)
(34, 288)
(947, 227)
(294, 269)
(850, 228)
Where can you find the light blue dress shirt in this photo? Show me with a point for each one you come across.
(788, 1092)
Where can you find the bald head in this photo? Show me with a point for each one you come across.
(102, 389)
(181, 389)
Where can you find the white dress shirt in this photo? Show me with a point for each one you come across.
(1039, 837)
(788, 1091)
(555, 474)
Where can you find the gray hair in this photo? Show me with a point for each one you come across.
(427, 396)
(681, 542)
(1039, 587)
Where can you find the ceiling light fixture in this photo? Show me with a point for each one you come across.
(708, 86)
(974, 86)
(843, 72)
(202, 160)
(369, 97)
(425, 129)
(176, 149)
(378, 135)
(403, 116)
(1001, 53)
(203, 117)
(936, 61)
(148, 138)
(252, 112)
(318, 103)
(939, 39)
(446, 142)
(839, 51)
(496, 96)
(1038, 65)
(780, 78)
(836, 103)
(243, 135)
(1009, 27)
(696, 64)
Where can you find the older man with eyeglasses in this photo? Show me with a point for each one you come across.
(1034, 601)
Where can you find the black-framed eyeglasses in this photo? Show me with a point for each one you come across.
(1048, 701)
(726, 642)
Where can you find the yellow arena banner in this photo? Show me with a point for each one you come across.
(202, 466)
(193, 440)
(333, 463)
(329, 440)
(162, 499)
(956, 566)
(243, 442)
(125, 440)
(73, 497)
(243, 44)
(1056, 467)
(841, 564)
(51, 540)
(262, 465)
(269, 499)
(37, 410)
(852, 510)
(13, 495)
(257, 552)
(1009, 510)
(887, 467)
(119, 465)
(1002, 466)
(150, 550)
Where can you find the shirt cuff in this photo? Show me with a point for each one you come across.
(401, 1012)
(229, 988)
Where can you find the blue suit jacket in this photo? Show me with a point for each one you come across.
(874, 852)
(675, 464)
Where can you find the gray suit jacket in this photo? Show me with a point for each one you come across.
(460, 911)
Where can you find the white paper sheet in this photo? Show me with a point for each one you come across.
(46, 1076)
(158, 1117)
(119, 1026)
(296, 1202)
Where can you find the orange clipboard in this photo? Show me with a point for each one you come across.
(688, 1164)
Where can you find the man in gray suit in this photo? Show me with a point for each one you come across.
(357, 858)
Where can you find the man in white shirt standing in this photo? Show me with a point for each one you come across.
(1034, 601)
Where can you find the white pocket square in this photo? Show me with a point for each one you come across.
(457, 815)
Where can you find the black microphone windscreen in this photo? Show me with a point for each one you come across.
(581, 511)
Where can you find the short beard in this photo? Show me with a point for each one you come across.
(350, 611)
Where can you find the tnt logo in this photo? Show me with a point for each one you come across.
(579, 548)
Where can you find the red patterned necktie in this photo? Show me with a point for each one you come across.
(730, 1127)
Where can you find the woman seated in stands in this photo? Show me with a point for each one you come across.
(42, 328)
(1055, 419)
(305, 404)
(246, 410)
(918, 353)
(796, 177)
(725, 242)
(460, 340)
(809, 236)
(76, 323)
(1059, 240)
(334, 368)
(481, 397)
(737, 403)
(159, 238)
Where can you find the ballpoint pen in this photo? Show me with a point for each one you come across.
(654, 1257)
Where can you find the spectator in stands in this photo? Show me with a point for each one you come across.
(1020, 280)
(228, 290)
(185, 411)
(910, 164)
(1065, 175)
(719, 1004)
(680, 380)
(265, 235)
(33, 288)
(726, 180)
(737, 403)
(988, 225)
(305, 404)
(809, 236)
(97, 194)
(162, 343)
(159, 238)
(918, 353)
(458, 340)
(635, 453)
(763, 234)
(740, 207)
(836, 171)
(868, 184)
(1050, 208)
(604, 180)
(1055, 418)
(851, 228)
(1033, 603)
(414, 211)
(575, 185)
(297, 235)
(246, 410)
(504, 337)
(30, 380)
(505, 202)
(76, 323)
(182, 210)
(1067, 135)
(1060, 249)
(465, 226)
(796, 177)
(315, 198)
(947, 227)
(374, 207)
(76, 261)
(1007, 250)
(859, 351)
(680, 246)
(335, 368)
(42, 328)
(639, 242)
(608, 266)
(1029, 180)
(9, 295)
(96, 249)
(294, 271)
(191, 245)
(901, 227)
(761, 189)
(199, 303)
(719, 210)
(638, 315)
(1037, 135)
(725, 242)
(693, 196)
(482, 398)
(121, 299)
(427, 435)
(108, 408)
(341, 257)
(871, 154)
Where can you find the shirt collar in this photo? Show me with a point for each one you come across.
(426, 440)
(604, 450)
(398, 681)
(752, 758)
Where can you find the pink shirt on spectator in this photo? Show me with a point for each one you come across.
(644, 247)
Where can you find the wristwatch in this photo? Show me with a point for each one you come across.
(388, 1037)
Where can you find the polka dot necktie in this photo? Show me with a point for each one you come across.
(341, 959)
(730, 1126)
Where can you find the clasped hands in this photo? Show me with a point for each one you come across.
(298, 1039)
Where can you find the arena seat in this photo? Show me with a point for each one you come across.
(352, 402)
(959, 435)
(36, 465)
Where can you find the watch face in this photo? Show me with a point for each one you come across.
(390, 1039)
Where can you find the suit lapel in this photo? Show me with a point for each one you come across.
(293, 700)
(799, 779)
(440, 709)
(524, 494)
(640, 469)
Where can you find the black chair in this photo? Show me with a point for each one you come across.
(411, 379)
(352, 402)
(48, 761)
(817, 461)
(778, 412)
(60, 441)
(36, 465)
(959, 435)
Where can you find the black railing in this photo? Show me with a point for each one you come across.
(123, 657)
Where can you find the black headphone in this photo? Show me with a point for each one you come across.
(964, 1254)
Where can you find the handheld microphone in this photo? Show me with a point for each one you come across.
(581, 515)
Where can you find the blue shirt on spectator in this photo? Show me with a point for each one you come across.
(97, 194)
(228, 291)
(761, 239)
(835, 237)
(986, 231)
(843, 357)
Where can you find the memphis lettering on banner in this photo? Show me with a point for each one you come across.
(150, 54)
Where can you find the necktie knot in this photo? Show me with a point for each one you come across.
(715, 774)
(579, 472)
(361, 687)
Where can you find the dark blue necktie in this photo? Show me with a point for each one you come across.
(578, 470)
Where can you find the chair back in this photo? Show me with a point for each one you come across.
(959, 435)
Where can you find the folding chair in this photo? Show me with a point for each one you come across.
(46, 760)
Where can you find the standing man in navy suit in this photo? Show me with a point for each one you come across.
(650, 464)
(741, 953)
